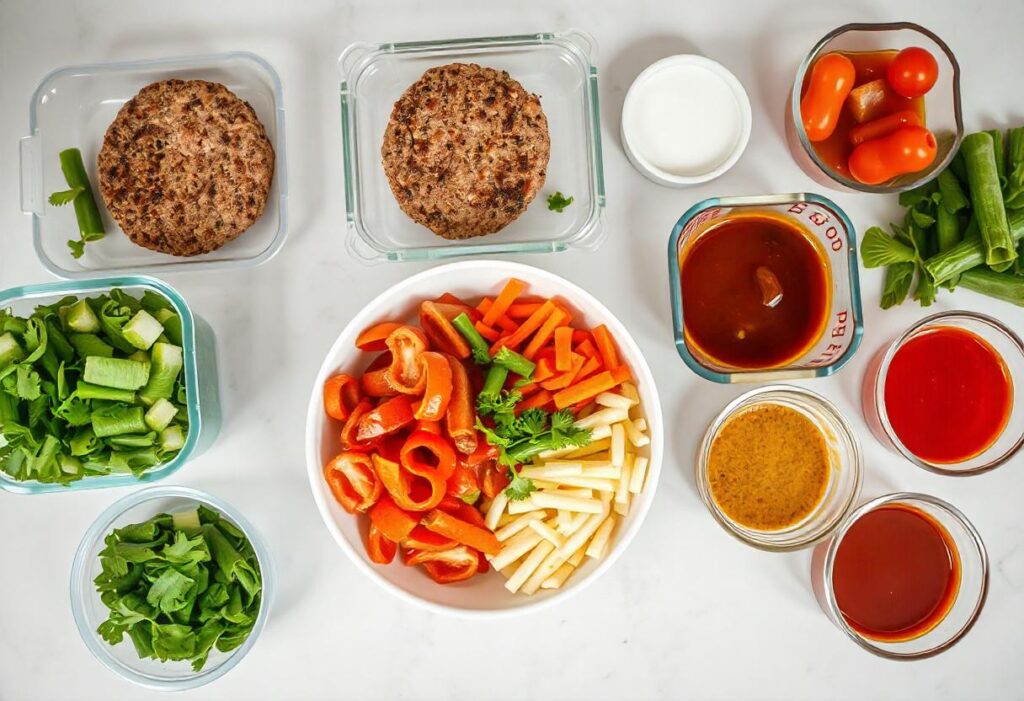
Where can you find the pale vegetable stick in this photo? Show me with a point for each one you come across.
(552, 500)
(577, 558)
(606, 471)
(510, 570)
(506, 518)
(556, 580)
(606, 497)
(522, 506)
(622, 492)
(638, 438)
(636, 478)
(586, 411)
(628, 389)
(614, 401)
(584, 492)
(618, 449)
(515, 548)
(605, 417)
(641, 425)
(602, 431)
(580, 537)
(496, 509)
(545, 484)
(518, 524)
(622, 508)
(599, 544)
(562, 519)
(551, 471)
(529, 566)
(547, 532)
(574, 524)
(595, 446)
(602, 485)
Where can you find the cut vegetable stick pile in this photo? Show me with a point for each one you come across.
(581, 496)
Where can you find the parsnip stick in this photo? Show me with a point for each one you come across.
(599, 544)
(577, 558)
(622, 492)
(552, 500)
(552, 470)
(584, 492)
(574, 524)
(496, 509)
(604, 417)
(522, 506)
(618, 445)
(636, 478)
(614, 401)
(556, 580)
(518, 524)
(601, 485)
(637, 437)
(529, 566)
(515, 548)
(606, 471)
(580, 537)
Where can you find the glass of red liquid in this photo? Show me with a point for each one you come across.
(945, 394)
(904, 577)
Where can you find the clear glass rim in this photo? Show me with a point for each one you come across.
(676, 291)
(359, 240)
(856, 465)
(879, 398)
(191, 370)
(805, 65)
(99, 528)
(833, 549)
(177, 265)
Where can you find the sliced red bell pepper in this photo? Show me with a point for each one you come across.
(380, 548)
(410, 492)
(462, 531)
(353, 482)
(483, 453)
(463, 511)
(429, 426)
(452, 565)
(469, 309)
(461, 417)
(437, 387)
(391, 520)
(463, 485)
(427, 454)
(341, 394)
(349, 432)
(374, 337)
(493, 480)
(388, 417)
(436, 321)
(422, 539)
(406, 343)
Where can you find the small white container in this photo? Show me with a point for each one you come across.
(686, 120)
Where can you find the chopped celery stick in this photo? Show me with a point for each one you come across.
(140, 356)
(143, 330)
(172, 325)
(116, 372)
(172, 439)
(160, 414)
(10, 351)
(90, 344)
(133, 440)
(186, 520)
(81, 318)
(83, 442)
(118, 421)
(133, 460)
(58, 341)
(86, 390)
(166, 364)
(69, 465)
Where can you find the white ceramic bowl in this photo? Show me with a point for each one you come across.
(483, 596)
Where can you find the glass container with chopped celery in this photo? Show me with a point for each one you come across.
(91, 386)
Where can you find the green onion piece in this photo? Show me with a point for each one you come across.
(116, 372)
(160, 414)
(81, 318)
(118, 421)
(477, 343)
(172, 439)
(167, 362)
(987, 200)
(514, 362)
(969, 253)
(10, 351)
(493, 383)
(90, 223)
(1005, 286)
(90, 344)
(87, 390)
(143, 330)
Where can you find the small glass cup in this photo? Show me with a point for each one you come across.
(845, 475)
(836, 237)
(942, 103)
(970, 596)
(1005, 342)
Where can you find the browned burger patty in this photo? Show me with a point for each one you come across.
(466, 150)
(185, 167)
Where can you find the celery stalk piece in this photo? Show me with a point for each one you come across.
(142, 330)
(58, 341)
(1005, 286)
(116, 372)
(140, 356)
(187, 521)
(118, 421)
(987, 199)
(10, 350)
(970, 252)
(160, 414)
(87, 390)
(172, 325)
(167, 361)
(69, 465)
(133, 440)
(90, 344)
(90, 223)
(81, 318)
(172, 439)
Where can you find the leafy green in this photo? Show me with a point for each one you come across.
(879, 248)
(63, 197)
(177, 595)
(897, 284)
(558, 202)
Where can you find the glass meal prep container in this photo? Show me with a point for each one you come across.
(199, 368)
(72, 108)
(558, 67)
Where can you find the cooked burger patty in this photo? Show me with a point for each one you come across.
(466, 150)
(185, 167)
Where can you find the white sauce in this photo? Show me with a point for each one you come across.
(684, 119)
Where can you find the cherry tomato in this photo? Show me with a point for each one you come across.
(913, 72)
(831, 81)
(906, 150)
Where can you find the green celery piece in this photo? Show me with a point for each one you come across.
(987, 200)
(133, 440)
(953, 197)
(59, 342)
(70, 465)
(90, 344)
(81, 318)
(172, 439)
(135, 461)
(142, 330)
(10, 351)
(477, 344)
(84, 442)
(160, 414)
(172, 325)
(167, 361)
(140, 356)
(118, 421)
(90, 223)
(113, 316)
(116, 372)
(1014, 191)
(1005, 286)
(187, 521)
(8, 409)
(514, 362)
(970, 252)
(878, 248)
(86, 390)
(898, 278)
(947, 229)
(493, 383)
(1000, 153)
(230, 561)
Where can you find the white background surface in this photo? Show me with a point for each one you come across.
(687, 611)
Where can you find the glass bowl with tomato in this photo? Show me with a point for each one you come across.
(876, 108)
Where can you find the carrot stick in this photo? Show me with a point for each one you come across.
(506, 324)
(530, 325)
(589, 368)
(537, 400)
(522, 310)
(486, 331)
(485, 305)
(580, 336)
(513, 288)
(563, 348)
(606, 346)
(588, 349)
(543, 371)
(556, 319)
(565, 379)
(591, 387)
(462, 532)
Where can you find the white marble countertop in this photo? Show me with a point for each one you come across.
(687, 612)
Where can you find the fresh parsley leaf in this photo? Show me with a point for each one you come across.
(77, 248)
(558, 202)
(63, 197)
(518, 488)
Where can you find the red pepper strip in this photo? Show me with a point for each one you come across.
(461, 417)
(428, 454)
(429, 426)
(407, 489)
(436, 321)
(373, 338)
(462, 531)
(463, 484)
(469, 309)
(341, 394)
(388, 417)
(406, 344)
(484, 566)
(484, 452)
(380, 548)
(377, 383)
(352, 481)
(452, 565)
(349, 439)
(437, 387)
(393, 522)
(494, 480)
(463, 511)
(422, 539)
(580, 336)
